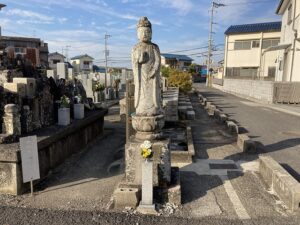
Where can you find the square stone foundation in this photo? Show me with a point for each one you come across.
(161, 162)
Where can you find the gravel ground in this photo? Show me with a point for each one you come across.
(80, 190)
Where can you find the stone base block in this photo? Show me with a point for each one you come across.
(190, 115)
(223, 118)
(211, 110)
(246, 144)
(147, 209)
(161, 160)
(174, 195)
(232, 127)
(10, 178)
(8, 138)
(126, 197)
(217, 113)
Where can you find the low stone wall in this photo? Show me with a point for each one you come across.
(251, 89)
(55, 144)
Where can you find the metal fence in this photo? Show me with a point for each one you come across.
(285, 92)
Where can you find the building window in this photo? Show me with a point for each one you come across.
(255, 43)
(270, 43)
(271, 71)
(290, 14)
(187, 63)
(55, 61)
(242, 45)
(86, 63)
(20, 50)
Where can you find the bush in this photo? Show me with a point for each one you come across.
(183, 80)
(165, 71)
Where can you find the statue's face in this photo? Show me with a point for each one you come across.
(144, 34)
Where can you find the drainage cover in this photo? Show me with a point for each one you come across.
(222, 166)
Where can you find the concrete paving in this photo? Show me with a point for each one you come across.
(277, 132)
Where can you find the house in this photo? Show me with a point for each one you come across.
(32, 49)
(54, 58)
(289, 48)
(82, 64)
(244, 47)
(180, 62)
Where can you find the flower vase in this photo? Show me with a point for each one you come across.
(63, 116)
(78, 111)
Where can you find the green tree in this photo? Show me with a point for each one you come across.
(180, 79)
(192, 68)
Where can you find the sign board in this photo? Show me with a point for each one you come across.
(30, 158)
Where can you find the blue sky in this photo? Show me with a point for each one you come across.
(81, 24)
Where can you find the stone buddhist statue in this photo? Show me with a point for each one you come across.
(149, 118)
(146, 70)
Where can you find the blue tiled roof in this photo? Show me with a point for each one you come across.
(81, 56)
(178, 57)
(254, 28)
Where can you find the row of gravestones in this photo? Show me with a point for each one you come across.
(28, 104)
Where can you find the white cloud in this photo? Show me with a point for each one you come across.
(182, 6)
(29, 14)
(62, 20)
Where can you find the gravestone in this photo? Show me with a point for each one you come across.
(30, 85)
(11, 120)
(19, 89)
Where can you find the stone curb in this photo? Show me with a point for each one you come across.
(232, 127)
(211, 109)
(222, 118)
(280, 181)
(246, 144)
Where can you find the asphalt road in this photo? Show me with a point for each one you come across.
(277, 133)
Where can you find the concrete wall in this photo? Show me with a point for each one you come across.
(252, 89)
(55, 144)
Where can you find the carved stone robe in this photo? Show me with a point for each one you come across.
(146, 72)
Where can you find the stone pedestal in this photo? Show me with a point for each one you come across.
(11, 120)
(148, 127)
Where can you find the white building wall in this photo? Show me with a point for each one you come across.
(287, 37)
(252, 57)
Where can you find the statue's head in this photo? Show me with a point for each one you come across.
(144, 30)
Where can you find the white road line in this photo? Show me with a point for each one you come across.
(234, 198)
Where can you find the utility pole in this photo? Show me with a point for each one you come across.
(106, 55)
(214, 5)
(1, 6)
